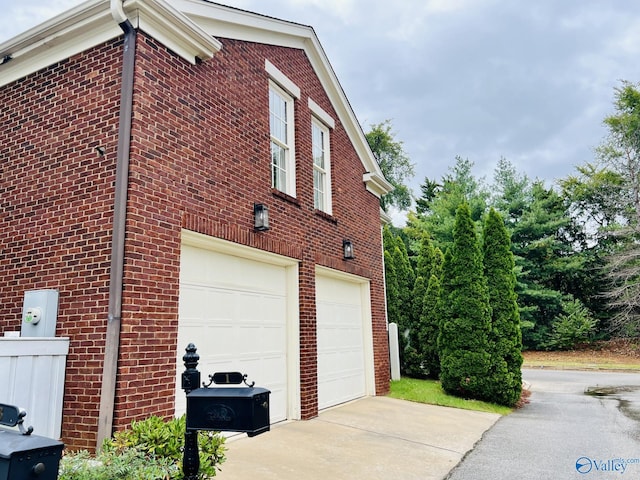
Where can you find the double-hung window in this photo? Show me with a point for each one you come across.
(321, 163)
(321, 125)
(281, 126)
(282, 92)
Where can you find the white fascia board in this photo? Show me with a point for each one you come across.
(173, 29)
(376, 183)
(72, 32)
(222, 21)
(385, 218)
(227, 22)
(91, 24)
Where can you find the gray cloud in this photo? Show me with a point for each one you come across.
(530, 81)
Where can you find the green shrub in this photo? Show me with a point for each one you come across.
(131, 464)
(151, 449)
(165, 439)
(575, 325)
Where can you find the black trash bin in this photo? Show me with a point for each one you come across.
(24, 456)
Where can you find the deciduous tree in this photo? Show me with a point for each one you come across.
(394, 163)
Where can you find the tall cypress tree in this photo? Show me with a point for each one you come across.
(391, 283)
(505, 338)
(413, 349)
(464, 330)
(429, 327)
(406, 279)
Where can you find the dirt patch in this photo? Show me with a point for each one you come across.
(618, 351)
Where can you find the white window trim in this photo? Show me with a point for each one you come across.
(287, 88)
(328, 194)
(290, 188)
(282, 80)
(323, 116)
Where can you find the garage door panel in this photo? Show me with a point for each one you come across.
(341, 362)
(234, 310)
(239, 273)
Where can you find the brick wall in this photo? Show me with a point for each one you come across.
(56, 196)
(199, 160)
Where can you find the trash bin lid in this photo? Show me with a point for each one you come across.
(14, 442)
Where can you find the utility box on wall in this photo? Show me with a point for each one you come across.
(39, 313)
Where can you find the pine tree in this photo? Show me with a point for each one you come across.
(505, 338)
(464, 330)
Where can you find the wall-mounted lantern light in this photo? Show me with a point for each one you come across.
(347, 249)
(260, 217)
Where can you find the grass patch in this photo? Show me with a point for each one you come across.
(430, 391)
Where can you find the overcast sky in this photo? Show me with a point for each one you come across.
(527, 80)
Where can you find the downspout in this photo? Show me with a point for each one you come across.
(112, 340)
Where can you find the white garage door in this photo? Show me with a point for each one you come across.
(343, 339)
(235, 312)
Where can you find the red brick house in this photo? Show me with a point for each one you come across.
(135, 140)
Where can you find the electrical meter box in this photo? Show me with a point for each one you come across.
(39, 313)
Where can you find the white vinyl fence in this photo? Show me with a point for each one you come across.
(32, 378)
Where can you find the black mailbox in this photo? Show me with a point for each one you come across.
(24, 456)
(229, 409)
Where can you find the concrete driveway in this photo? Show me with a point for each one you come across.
(372, 438)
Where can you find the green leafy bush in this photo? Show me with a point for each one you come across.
(130, 464)
(161, 438)
(574, 326)
(150, 449)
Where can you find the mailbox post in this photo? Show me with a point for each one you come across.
(231, 409)
(190, 382)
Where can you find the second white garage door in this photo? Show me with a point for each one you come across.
(344, 337)
(236, 311)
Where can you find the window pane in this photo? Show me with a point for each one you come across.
(278, 167)
(318, 146)
(278, 116)
(318, 189)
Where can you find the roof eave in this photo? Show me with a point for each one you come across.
(90, 24)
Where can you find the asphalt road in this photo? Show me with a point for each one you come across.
(564, 433)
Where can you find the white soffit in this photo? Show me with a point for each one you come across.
(91, 24)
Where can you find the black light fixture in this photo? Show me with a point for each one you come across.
(260, 217)
(347, 249)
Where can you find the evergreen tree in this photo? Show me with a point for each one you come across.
(505, 337)
(413, 349)
(426, 258)
(392, 291)
(402, 308)
(464, 330)
(545, 262)
(429, 327)
(440, 201)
